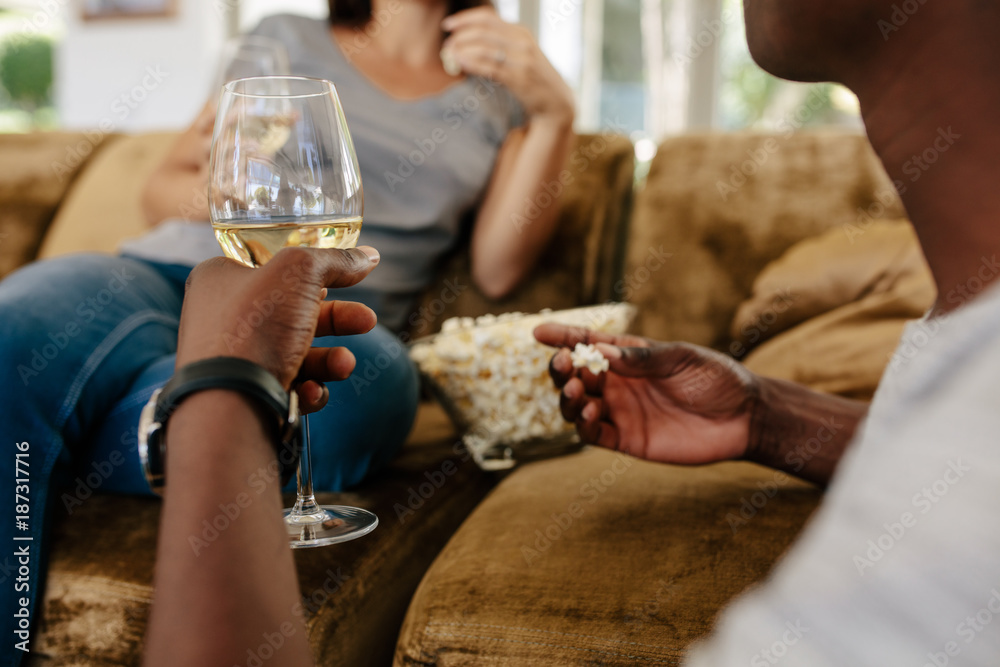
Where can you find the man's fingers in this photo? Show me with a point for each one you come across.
(323, 267)
(561, 335)
(325, 364)
(313, 396)
(561, 368)
(659, 361)
(344, 318)
(572, 400)
(597, 432)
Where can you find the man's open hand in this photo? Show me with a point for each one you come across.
(668, 402)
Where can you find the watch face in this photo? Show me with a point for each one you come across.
(150, 454)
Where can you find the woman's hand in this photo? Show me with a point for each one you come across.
(667, 402)
(271, 314)
(487, 46)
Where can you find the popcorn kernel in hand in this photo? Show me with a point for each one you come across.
(589, 357)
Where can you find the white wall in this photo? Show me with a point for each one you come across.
(133, 75)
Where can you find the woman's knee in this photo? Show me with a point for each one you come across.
(369, 415)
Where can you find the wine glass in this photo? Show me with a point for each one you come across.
(250, 55)
(283, 173)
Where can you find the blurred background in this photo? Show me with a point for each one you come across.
(646, 68)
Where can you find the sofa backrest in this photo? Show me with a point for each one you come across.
(103, 207)
(36, 170)
(724, 205)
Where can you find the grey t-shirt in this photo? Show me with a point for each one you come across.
(424, 164)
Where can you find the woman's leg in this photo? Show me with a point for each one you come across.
(369, 414)
(364, 424)
(75, 333)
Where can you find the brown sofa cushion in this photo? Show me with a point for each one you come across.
(104, 208)
(596, 558)
(721, 234)
(36, 170)
(355, 594)
(583, 260)
(820, 274)
(838, 305)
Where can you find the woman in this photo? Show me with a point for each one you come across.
(90, 337)
(432, 146)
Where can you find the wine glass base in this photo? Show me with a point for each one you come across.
(331, 524)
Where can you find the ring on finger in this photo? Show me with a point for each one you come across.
(500, 56)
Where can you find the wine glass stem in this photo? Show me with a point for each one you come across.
(305, 501)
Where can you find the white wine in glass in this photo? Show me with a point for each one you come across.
(283, 173)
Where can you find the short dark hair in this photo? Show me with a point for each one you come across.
(359, 12)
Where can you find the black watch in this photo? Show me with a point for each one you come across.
(218, 373)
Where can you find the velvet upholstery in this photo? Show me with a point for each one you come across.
(722, 227)
(599, 559)
(355, 594)
(36, 170)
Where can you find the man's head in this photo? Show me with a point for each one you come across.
(811, 40)
(808, 40)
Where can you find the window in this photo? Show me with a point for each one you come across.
(28, 35)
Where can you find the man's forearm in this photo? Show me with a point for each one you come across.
(801, 431)
(225, 580)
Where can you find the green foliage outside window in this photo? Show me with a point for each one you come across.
(26, 71)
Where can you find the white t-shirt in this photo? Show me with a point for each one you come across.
(901, 564)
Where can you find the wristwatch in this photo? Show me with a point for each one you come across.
(231, 373)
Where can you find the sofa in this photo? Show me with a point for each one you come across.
(590, 558)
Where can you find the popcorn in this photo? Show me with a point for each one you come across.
(492, 375)
(589, 357)
(450, 63)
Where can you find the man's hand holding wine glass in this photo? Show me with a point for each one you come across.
(270, 315)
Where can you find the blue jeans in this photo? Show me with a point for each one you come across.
(84, 342)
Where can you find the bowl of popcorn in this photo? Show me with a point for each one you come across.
(492, 378)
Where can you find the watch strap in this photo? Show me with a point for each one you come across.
(230, 373)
